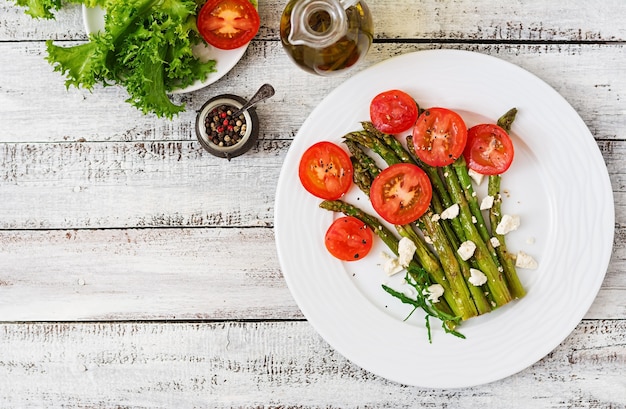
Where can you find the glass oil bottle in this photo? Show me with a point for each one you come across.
(326, 37)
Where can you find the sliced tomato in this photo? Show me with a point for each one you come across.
(326, 171)
(393, 111)
(228, 24)
(439, 136)
(489, 149)
(348, 238)
(401, 193)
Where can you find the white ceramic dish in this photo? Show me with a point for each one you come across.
(93, 19)
(558, 185)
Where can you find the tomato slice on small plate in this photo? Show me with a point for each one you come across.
(393, 111)
(228, 24)
(325, 170)
(348, 238)
(401, 193)
(489, 149)
(439, 136)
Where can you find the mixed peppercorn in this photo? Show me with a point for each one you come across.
(222, 128)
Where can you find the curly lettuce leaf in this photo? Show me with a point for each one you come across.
(40, 8)
(46, 8)
(146, 47)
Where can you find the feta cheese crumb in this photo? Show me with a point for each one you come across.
(478, 177)
(408, 291)
(434, 292)
(406, 250)
(428, 240)
(487, 203)
(435, 218)
(466, 250)
(477, 277)
(391, 265)
(474, 219)
(508, 224)
(451, 212)
(495, 242)
(523, 260)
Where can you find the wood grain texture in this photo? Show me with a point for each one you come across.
(137, 271)
(102, 115)
(273, 364)
(172, 273)
(142, 274)
(478, 20)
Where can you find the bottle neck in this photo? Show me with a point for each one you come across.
(318, 23)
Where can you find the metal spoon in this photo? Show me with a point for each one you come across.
(265, 92)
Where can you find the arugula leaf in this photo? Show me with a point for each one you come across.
(420, 301)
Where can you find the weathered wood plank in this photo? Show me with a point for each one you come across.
(272, 364)
(178, 274)
(588, 76)
(161, 184)
(522, 20)
(152, 184)
(142, 275)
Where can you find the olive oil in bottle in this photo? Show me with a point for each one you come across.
(326, 37)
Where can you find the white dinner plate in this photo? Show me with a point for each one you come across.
(225, 60)
(558, 185)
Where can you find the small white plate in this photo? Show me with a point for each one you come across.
(558, 184)
(225, 60)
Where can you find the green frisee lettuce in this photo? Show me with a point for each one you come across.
(146, 47)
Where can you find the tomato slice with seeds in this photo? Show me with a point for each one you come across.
(228, 24)
(349, 239)
(439, 136)
(401, 193)
(489, 149)
(393, 111)
(326, 171)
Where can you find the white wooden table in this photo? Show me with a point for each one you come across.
(138, 271)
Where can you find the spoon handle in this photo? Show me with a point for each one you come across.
(263, 93)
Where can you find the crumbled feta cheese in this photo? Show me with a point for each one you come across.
(487, 203)
(508, 224)
(391, 265)
(474, 219)
(451, 212)
(523, 260)
(434, 292)
(428, 240)
(495, 242)
(474, 194)
(406, 250)
(466, 250)
(408, 291)
(477, 277)
(478, 177)
(435, 218)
